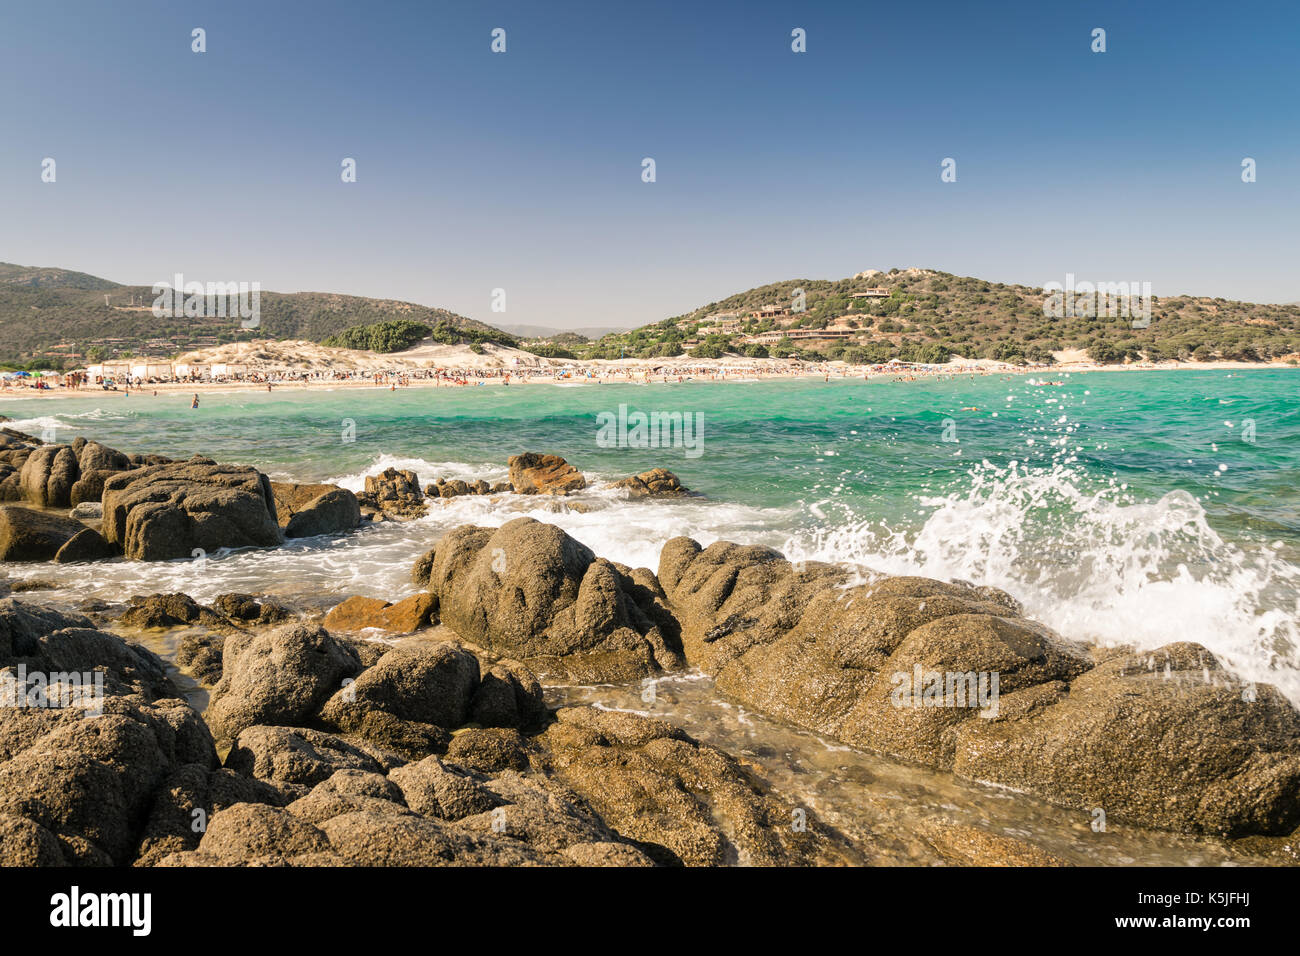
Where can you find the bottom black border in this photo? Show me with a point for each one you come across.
(933, 907)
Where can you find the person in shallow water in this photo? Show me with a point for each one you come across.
(195, 402)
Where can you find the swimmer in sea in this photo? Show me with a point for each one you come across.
(195, 402)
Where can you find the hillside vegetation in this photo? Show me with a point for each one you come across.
(55, 318)
(928, 316)
(396, 336)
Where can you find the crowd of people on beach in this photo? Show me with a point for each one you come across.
(593, 373)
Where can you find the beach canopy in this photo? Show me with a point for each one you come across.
(22, 374)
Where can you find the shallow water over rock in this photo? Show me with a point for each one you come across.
(894, 813)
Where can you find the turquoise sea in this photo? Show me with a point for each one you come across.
(1119, 507)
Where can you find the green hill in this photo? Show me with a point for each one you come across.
(927, 316)
(59, 318)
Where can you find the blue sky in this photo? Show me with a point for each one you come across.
(522, 170)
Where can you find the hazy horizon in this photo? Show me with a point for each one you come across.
(522, 170)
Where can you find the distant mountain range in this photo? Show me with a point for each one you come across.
(58, 317)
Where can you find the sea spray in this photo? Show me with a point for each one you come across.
(1095, 563)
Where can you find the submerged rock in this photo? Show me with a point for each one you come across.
(248, 609)
(680, 801)
(1165, 738)
(167, 610)
(456, 487)
(655, 483)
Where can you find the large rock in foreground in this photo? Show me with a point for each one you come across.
(48, 475)
(58, 476)
(281, 677)
(1166, 737)
(598, 789)
(531, 592)
(30, 535)
(535, 474)
(953, 676)
(81, 764)
(682, 801)
(167, 511)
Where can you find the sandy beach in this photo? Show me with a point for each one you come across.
(268, 364)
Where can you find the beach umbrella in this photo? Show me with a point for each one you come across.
(22, 374)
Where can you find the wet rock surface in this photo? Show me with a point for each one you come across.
(894, 666)
(655, 483)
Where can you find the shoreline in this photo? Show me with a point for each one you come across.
(626, 373)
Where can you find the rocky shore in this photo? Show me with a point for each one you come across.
(416, 732)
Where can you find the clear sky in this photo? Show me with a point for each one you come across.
(523, 170)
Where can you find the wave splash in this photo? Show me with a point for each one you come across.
(1094, 563)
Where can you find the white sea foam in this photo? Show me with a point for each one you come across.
(427, 471)
(1095, 564)
(34, 426)
(61, 421)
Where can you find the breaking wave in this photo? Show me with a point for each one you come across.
(1095, 563)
